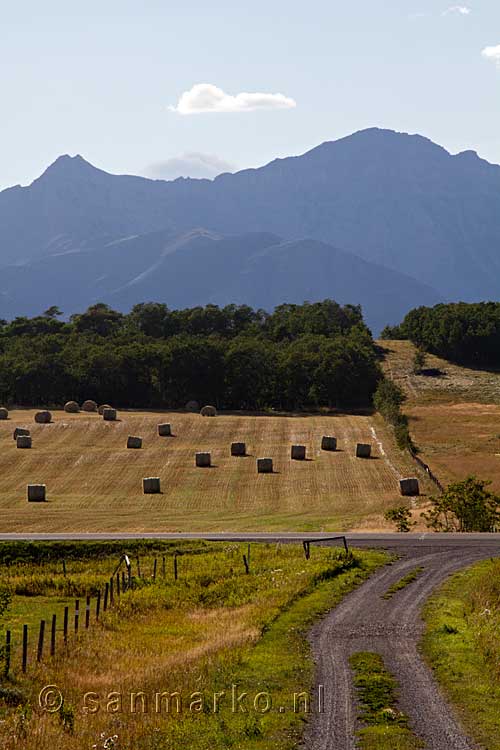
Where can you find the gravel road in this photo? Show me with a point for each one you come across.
(365, 622)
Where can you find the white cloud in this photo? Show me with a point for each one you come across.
(492, 53)
(191, 164)
(205, 97)
(462, 10)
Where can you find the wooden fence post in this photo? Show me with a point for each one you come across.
(77, 614)
(124, 582)
(111, 596)
(106, 595)
(66, 622)
(98, 605)
(245, 561)
(154, 569)
(118, 585)
(53, 636)
(25, 648)
(7, 653)
(163, 566)
(87, 613)
(41, 636)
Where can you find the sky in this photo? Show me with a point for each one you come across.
(166, 88)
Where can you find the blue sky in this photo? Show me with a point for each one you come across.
(103, 79)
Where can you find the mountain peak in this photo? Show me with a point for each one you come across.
(68, 167)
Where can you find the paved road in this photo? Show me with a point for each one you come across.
(400, 542)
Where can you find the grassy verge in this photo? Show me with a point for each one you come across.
(403, 582)
(384, 726)
(210, 637)
(461, 644)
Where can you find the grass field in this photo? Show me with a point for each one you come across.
(214, 628)
(454, 416)
(461, 643)
(95, 484)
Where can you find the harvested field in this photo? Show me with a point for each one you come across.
(95, 484)
(454, 416)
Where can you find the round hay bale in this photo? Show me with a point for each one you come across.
(298, 452)
(36, 493)
(328, 443)
(363, 450)
(71, 407)
(165, 429)
(89, 405)
(409, 487)
(203, 459)
(208, 411)
(238, 449)
(4, 413)
(43, 417)
(192, 406)
(102, 407)
(109, 414)
(151, 485)
(134, 442)
(20, 431)
(23, 441)
(265, 465)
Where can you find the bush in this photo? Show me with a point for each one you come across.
(401, 516)
(465, 506)
(387, 400)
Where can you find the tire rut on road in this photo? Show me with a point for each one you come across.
(364, 621)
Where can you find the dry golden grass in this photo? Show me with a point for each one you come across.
(95, 484)
(213, 628)
(454, 418)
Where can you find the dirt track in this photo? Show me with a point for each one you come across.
(366, 622)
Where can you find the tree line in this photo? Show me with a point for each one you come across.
(297, 357)
(468, 333)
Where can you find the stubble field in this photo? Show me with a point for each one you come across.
(95, 484)
(454, 414)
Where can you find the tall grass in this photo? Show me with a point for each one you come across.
(214, 628)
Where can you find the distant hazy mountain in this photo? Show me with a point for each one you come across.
(201, 267)
(392, 199)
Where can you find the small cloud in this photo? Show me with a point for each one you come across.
(492, 53)
(205, 97)
(191, 164)
(461, 10)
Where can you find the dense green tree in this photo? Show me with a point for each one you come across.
(235, 357)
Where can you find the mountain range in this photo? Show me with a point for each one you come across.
(382, 219)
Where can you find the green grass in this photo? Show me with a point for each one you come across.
(384, 726)
(461, 644)
(213, 628)
(403, 582)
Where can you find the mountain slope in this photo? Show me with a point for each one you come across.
(201, 267)
(391, 198)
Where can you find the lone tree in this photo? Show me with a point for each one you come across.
(465, 506)
(401, 516)
(419, 361)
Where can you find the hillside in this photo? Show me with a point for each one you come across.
(95, 484)
(393, 199)
(202, 267)
(454, 414)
